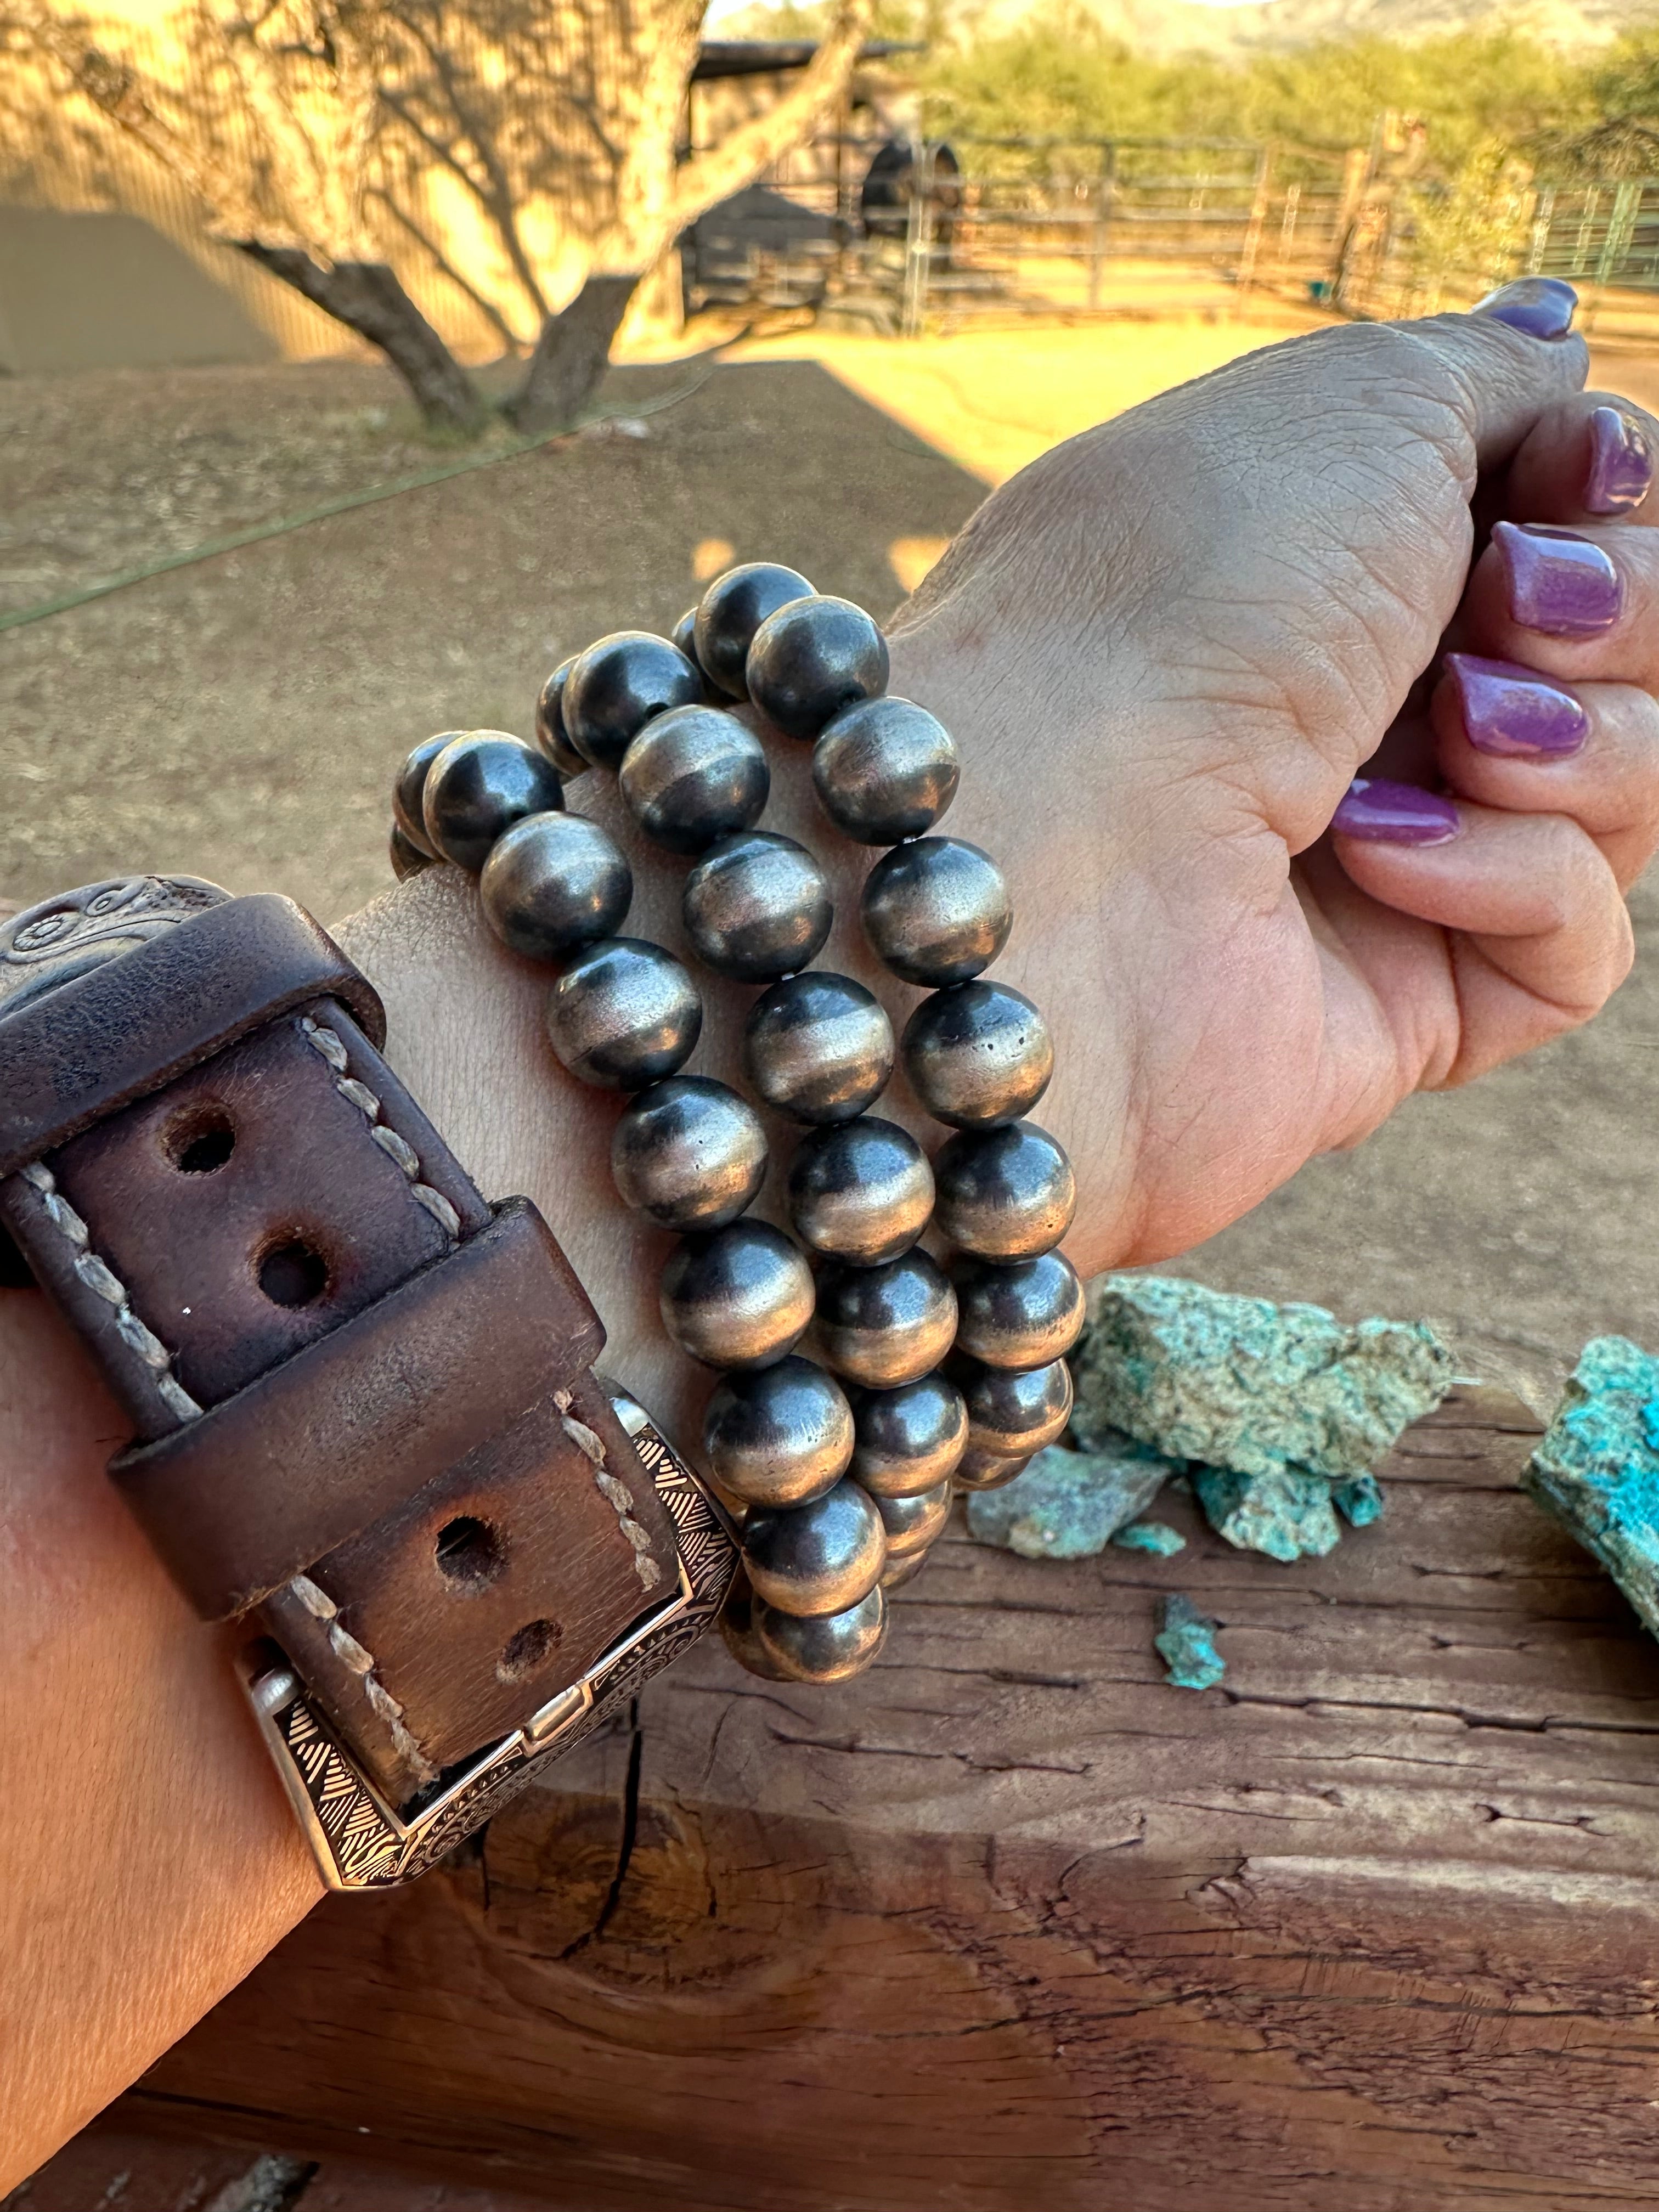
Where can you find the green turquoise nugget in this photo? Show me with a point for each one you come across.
(1286, 1514)
(1244, 1384)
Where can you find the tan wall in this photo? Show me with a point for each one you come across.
(57, 154)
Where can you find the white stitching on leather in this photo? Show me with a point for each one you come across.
(615, 1494)
(361, 1663)
(104, 1283)
(332, 1049)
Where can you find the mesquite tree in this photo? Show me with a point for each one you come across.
(315, 131)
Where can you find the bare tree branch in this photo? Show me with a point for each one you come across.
(743, 154)
(120, 92)
(496, 195)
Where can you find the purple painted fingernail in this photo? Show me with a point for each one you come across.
(1621, 465)
(1541, 306)
(1385, 813)
(1514, 712)
(1560, 583)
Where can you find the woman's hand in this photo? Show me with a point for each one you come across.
(1165, 651)
(1171, 644)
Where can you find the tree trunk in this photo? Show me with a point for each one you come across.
(570, 356)
(367, 298)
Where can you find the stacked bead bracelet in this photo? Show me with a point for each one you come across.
(931, 1378)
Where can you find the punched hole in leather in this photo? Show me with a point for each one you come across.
(358, 1354)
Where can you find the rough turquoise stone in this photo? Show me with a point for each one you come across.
(1067, 1504)
(1359, 1502)
(1597, 1469)
(1151, 1536)
(1186, 1644)
(1245, 1384)
(1286, 1514)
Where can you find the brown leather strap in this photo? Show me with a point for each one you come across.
(266, 1158)
(495, 1586)
(355, 1389)
(126, 1026)
(358, 1422)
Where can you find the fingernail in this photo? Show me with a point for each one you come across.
(1542, 307)
(1560, 583)
(1621, 463)
(1385, 813)
(1512, 711)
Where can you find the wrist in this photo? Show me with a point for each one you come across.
(142, 1804)
(465, 1029)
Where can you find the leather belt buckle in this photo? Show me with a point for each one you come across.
(359, 1841)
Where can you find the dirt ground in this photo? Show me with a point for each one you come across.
(239, 718)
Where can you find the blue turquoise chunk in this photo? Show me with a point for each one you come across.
(1597, 1468)
(1068, 1504)
(1359, 1502)
(1186, 1644)
(1155, 1537)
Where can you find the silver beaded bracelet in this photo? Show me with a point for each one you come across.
(932, 1379)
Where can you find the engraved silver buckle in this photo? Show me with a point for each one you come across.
(358, 1841)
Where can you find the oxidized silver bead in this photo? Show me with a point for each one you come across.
(981, 1470)
(884, 770)
(618, 685)
(897, 1572)
(1014, 1415)
(912, 1523)
(408, 859)
(1006, 1193)
(409, 786)
(910, 1439)
(731, 609)
(812, 659)
(936, 911)
(688, 1153)
(1017, 1313)
(478, 786)
(693, 776)
(818, 1048)
(741, 1297)
(824, 1649)
(887, 1325)
(782, 1435)
(817, 1559)
(756, 907)
(978, 1054)
(552, 740)
(554, 882)
(624, 1013)
(861, 1190)
(740, 1636)
(683, 635)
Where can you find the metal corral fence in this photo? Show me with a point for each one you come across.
(900, 238)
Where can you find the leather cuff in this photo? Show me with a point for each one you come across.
(363, 1400)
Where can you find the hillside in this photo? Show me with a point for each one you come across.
(1171, 26)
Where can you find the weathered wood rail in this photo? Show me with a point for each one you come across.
(1374, 1924)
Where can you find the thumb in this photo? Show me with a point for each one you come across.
(1511, 357)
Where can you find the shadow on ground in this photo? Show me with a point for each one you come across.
(240, 718)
